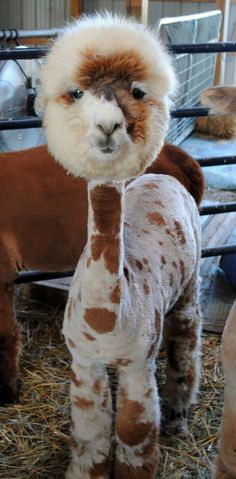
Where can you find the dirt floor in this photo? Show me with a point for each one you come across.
(34, 434)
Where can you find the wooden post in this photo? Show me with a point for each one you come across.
(76, 8)
(224, 6)
(138, 9)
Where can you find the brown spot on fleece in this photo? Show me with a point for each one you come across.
(100, 319)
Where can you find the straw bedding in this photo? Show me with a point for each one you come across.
(34, 434)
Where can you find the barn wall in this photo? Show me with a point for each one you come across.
(31, 14)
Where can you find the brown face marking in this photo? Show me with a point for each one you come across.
(171, 280)
(106, 205)
(83, 403)
(101, 245)
(88, 336)
(174, 264)
(180, 232)
(65, 99)
(156, 218)
(146, 287)
(125, 66)
(77, 382)
(115, 295)
(100, 319)
(128, 426)
(71, 343)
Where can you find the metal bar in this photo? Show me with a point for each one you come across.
(218, 251)
(187, 112)
(216, 209)
(23, 53)
(202, 47)
(227, 160)
(14, 34)
(37, 122)
(29, 53)
(33, 276)
(20, 123)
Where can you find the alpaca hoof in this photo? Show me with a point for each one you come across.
(8, 393)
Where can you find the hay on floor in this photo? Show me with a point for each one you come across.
(34, 434)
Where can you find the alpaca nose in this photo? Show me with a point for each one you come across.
(109, 127)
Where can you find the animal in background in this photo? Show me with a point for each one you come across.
(221, 99)
(106, 117)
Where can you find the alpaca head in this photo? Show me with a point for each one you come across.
(106, 84)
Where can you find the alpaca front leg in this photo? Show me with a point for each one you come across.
(10, 343)
(91, 423)
(137, 424)
(182, 331)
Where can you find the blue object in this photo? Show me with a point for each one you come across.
(228, 265)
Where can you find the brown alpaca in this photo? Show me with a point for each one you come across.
(37, 218)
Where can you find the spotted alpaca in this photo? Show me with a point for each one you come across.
(31, 181)
(137, 279)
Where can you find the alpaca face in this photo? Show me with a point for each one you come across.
(106, 83)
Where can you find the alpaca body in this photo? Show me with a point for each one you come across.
(118, 319)
(42, 210)
(162, 235)
(111, 103)
(226, 462)
(221, 99)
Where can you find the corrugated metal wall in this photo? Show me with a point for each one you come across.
(31, 14)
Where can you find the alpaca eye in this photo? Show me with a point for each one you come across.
(77, 94)
(137, 93)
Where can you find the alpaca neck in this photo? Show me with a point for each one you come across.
(102, 280)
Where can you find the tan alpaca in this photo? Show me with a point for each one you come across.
(221, 99)
(141, 261)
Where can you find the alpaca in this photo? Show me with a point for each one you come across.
(226, 461)
(38, 206)
(221, 99)
(141, 260)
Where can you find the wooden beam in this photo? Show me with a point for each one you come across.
(224, 6)
(138, 9)
(76, 7)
